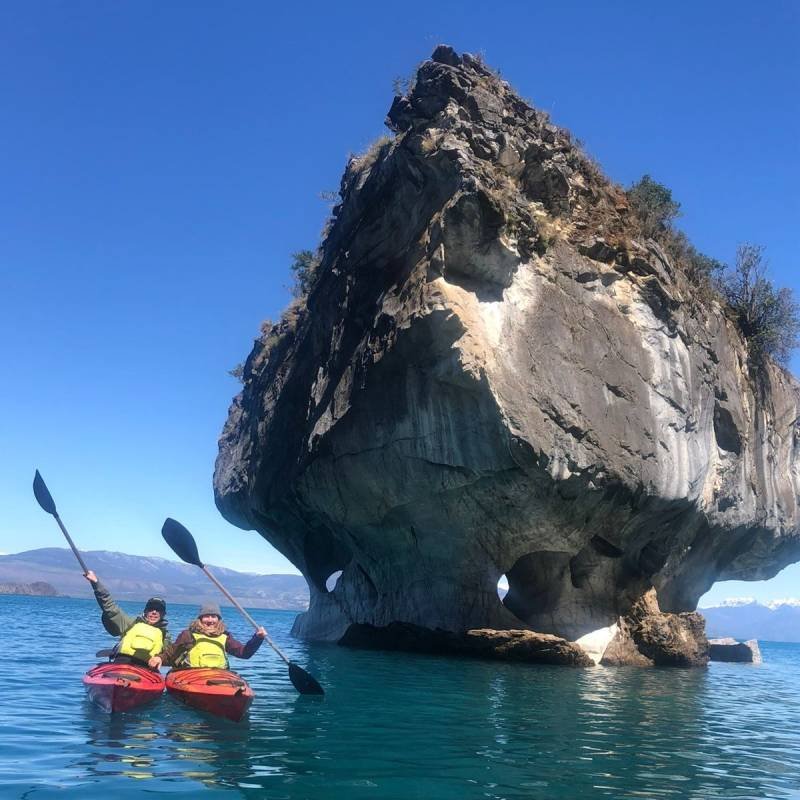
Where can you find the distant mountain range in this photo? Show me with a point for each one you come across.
(137, 578)
(744, 618)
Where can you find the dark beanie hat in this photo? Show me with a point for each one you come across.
(156, 604)
(210, 608)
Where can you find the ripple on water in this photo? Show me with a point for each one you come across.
(401, 726)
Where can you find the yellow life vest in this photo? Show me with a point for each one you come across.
(208, 651)
(142, 641)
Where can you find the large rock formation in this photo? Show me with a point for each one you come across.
(495, 373)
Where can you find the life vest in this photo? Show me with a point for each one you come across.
(142, 641)
(208, 651)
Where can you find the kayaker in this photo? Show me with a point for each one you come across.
(143, 638)
(207, 642)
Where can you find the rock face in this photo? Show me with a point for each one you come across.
(730, 650)
(494, 373)
(647, 637)
(521, 645)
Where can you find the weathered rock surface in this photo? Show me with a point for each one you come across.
(728, 649)
(648, 637)
(519, 645)
(493, 373)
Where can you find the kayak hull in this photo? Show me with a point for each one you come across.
(215, 691)
(122, 687)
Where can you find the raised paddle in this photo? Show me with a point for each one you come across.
(183, 545)
(45, 500)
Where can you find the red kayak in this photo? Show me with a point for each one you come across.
(121, 687)
(217, 691)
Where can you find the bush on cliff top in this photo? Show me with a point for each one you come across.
(304, 268)
(768, 317)
(653, 204)
(656, 211)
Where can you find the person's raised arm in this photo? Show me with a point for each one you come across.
(114, 619)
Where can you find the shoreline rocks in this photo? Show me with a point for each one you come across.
(36, 588)
(649, 637)
(506, 645)
(729, 649)
(645, 637)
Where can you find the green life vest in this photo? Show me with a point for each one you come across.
(142, 641)
(208, 651)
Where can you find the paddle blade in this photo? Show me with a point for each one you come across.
(303, 682)
(181, 542)
(43, 496)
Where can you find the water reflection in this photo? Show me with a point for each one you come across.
(403, 726)
(412, 726)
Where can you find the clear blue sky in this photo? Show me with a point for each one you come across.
(159, 162)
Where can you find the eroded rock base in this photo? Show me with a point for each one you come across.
(514, 645)
(732, 650)
(649, 637)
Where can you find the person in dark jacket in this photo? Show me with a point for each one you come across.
(142, 638)
(207, 642)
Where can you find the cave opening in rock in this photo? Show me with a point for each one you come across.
(536, 583)
(332, 580)
(502, 587)
(325, 557)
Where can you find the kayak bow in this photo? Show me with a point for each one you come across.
(217, 691)
(121, 687)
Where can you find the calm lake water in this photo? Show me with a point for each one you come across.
(394, 725)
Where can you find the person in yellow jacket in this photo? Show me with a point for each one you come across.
(207, 642)
(143, 638)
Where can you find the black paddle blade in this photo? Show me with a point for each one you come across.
(303, 682)
(43, 496)
(181, 542)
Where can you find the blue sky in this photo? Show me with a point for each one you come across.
(160, 161)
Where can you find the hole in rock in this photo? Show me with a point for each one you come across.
(725, 430)
(536, 583)
(502, 587)
(333, 579)
(324, 555)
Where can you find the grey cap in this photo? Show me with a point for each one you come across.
(210, 608)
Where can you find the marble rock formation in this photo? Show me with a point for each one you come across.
(485, 643)
(495, 373)
(728, 649)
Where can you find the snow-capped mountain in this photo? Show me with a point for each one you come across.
(744, 618)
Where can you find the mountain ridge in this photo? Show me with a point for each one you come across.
(777, 621)
(130, 577)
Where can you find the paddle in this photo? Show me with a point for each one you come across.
(183, 545)
(45, 500)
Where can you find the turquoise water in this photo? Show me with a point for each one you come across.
(394, 725)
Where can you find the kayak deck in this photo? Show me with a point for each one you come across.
(122, 687)
(216, 691)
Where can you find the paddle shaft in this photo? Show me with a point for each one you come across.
(243, 612)
(71, 543)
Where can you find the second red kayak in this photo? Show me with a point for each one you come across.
(217, 691)
(121, 687)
